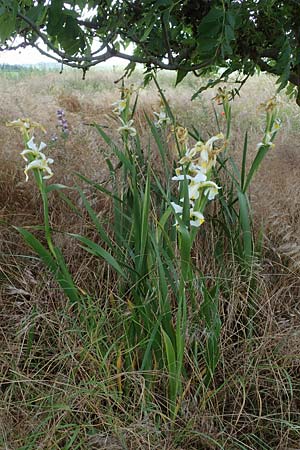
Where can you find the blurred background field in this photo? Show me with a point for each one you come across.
(54, 399)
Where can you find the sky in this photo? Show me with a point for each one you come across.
(23, 56)
(32, 56)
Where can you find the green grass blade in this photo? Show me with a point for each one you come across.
(43, 253)
(56, 187)
(172, 370)
(159, 143)
(244, 161)
(145, 220)
(261, 153)
(245, 223)
(167, 106)
(104, 135)
(212, 321)
(65, 279)
(101, 231)
(152, 338)
(57, 267)
(98, 187)
(99, 251)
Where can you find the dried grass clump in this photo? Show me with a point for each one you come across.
(51, 384)
(276, 195)
(69, 102)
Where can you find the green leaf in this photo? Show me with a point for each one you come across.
(211, 83)
(99, 187)
(43, 253)
(160, 144)
(37, 13)
(7, 25)
(208, 32)
(65, 279)
(149, 27)
(166, 104)
(172, 369)
(57, 267)
(283, 64)
(213, 18)
(145, 220)
(261, 153)
(162, 222)
(231, 18)
(170, 353)
(181, 74)
(229, 33)
(70, 35)
(55, 17)
(104, 135)
(101, 231)
(56, 187)
(246, 227)
(99, 251)
(152, 338)
(244, 161)
(212, 322)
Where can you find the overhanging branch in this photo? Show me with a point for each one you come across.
(89, 61)
(293, 77)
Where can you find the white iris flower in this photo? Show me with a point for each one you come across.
(181, 177)
(194, 190)
(120, 106)
(201, 148)
(177, 208)
(33, 149)
(40, 164)
(199, 218)
(25, 125)
(212, 189)
(189, 154)
(127, 128)
(196, 217)
(163, 119)
(199, 177)
(197, 164)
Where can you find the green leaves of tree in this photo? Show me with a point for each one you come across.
(8, 10)
(210, 28)
(64, 29)
(55, 18)
(283, 65)
(216, 33)
(7, 25)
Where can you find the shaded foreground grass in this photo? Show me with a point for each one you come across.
(57, 389)
(58, 392)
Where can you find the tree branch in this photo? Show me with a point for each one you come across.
(167, 42)
(293, 78)
(92, 60)
(12, 47)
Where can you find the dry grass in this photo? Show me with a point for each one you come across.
(52, 396)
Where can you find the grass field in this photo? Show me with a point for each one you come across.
(70, 378)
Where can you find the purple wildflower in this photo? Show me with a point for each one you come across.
(62, 121)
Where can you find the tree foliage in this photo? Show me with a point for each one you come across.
(180, 35)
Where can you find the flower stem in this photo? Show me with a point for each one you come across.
(48, 233)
